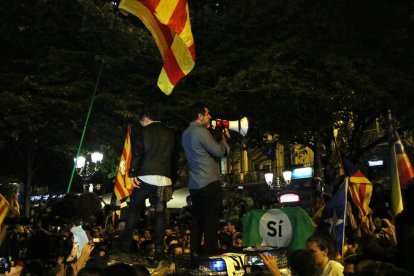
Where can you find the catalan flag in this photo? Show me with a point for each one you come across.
(123, 185)
(359, 187)
(401, 170)
(169, 23)
(4, 207)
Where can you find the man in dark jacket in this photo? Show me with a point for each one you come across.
(152, 170)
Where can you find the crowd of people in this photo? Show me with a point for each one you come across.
(76, 236)
(53, 241)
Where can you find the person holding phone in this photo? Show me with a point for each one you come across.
(301, 263)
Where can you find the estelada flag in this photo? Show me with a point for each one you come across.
(169, 23)
(4, 207)
(333, 216)
(123, 184)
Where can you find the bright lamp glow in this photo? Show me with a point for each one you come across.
(269, 178)
(80, 162)
(287, 176)
(96, 157)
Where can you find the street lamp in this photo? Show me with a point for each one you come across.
(269, 178)
(96, 157)
(287, 176)
(87, 167)
(269, 181)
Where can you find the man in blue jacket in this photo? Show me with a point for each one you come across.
(203, 154)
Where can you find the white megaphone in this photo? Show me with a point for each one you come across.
(241, 126)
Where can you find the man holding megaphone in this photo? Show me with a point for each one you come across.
(203, 154)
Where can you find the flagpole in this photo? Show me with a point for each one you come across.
(335, 134)
(396, 195)
(346, 202)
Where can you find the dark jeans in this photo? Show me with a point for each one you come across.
(136, 205)
(207, 205)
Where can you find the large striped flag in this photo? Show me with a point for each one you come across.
(287, 227)
(401, 170)
(359, 187)
(4, 207)
(123, 185)
(169, 23)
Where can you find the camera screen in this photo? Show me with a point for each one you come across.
(254, 260)
(3, 265)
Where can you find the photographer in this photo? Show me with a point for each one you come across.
(385, 229)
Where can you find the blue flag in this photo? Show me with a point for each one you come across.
(333, 217)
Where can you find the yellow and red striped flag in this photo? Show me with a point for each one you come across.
(401, 170)
(359, 187)
(361, 191)
(123, 185)
(4, 207)
(169, 23)
(405, 169)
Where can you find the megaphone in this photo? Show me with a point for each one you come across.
(241, 126)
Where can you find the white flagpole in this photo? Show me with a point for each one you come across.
(346, 202)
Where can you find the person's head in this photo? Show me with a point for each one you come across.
(187, 233)
(175, 249)
(321, 247)
(238, 240)
(199, 113)
(232, 226)
(188, 200)
(301, 263)
(91, 271)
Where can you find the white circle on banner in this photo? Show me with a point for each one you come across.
(275, 229)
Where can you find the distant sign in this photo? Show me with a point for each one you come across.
(302, 173)
(291, 197)
(375, 163)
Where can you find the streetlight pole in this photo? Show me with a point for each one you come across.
(87, 167)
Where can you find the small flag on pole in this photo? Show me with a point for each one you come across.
(123, 185)
(401, 170)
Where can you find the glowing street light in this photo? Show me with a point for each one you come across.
(86, 169)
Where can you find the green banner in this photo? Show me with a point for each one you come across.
(286, 227)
